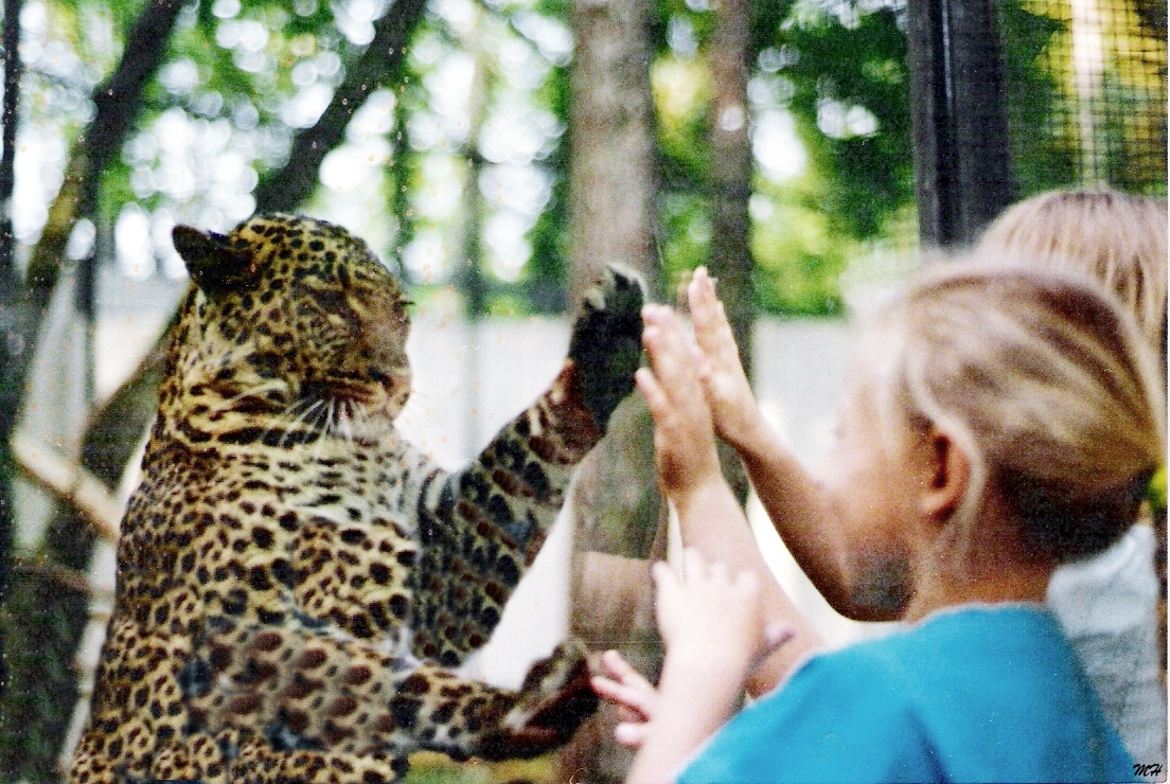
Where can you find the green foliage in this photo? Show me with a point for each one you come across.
(851, 102)
(31, 719)
(844, 82)
(1110, 127)
(1045, 159)
(799, 257)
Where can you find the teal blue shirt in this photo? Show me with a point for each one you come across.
(977, 694)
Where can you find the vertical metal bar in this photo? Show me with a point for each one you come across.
(8, 156)
(963, 173)
(12, 332)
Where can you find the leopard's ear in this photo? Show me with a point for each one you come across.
(212, 262)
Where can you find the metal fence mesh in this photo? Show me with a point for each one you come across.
(1086, 85)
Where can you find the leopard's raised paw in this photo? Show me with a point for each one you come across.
(607, 340)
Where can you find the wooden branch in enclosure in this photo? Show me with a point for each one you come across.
(116, 104)
(69, 482)
(71, 579)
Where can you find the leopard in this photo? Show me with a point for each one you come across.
(298, 583)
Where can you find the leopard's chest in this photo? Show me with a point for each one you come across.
(258, 537)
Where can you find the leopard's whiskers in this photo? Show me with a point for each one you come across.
(301, 418)
(330, 423)
(343, 421)
(279, 420)
(253, 391)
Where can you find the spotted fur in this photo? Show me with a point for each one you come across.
(296, 581)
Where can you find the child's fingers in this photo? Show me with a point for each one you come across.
(666, 582)
(621, 670)
(701, 296)
(694, 566)
(637, 701)
(630, 735)
(661, 573)
(652, 393)
(666, 342)
(710, 319)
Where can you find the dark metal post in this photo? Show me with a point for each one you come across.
(12, 332)
(962, 156)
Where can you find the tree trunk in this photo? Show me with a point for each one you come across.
(731, 172)
(730, 259)
(612, 184)
(616, 505)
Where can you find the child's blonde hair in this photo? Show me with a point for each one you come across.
(1116, 238)
(1046, 386)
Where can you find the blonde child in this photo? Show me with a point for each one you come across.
(993, 419)
(1105, 603)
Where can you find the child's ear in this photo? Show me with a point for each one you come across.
(948, 472)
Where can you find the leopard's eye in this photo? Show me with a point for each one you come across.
(402, 308)
(335, 304)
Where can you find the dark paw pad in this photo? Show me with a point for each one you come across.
(607, 340)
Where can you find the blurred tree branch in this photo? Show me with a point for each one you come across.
(116, 103)
(71, 579)
(376, 67)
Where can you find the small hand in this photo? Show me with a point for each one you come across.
(733, 406)
(684, 437)
(635, 697)
(708, 616)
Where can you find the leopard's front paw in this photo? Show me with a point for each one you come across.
(555, 699)
(606, 346)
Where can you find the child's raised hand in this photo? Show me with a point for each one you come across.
(713, 619)
(684, 437)
(733, 406)
(635, 697)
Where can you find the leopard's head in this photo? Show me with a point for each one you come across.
(288, 316)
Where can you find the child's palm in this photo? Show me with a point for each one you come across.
(709, 610)
(684, 437)
(733, 406)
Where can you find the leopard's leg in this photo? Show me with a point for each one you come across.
(481, 527)
(313, 690)
(90, 765)
(258, 763)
